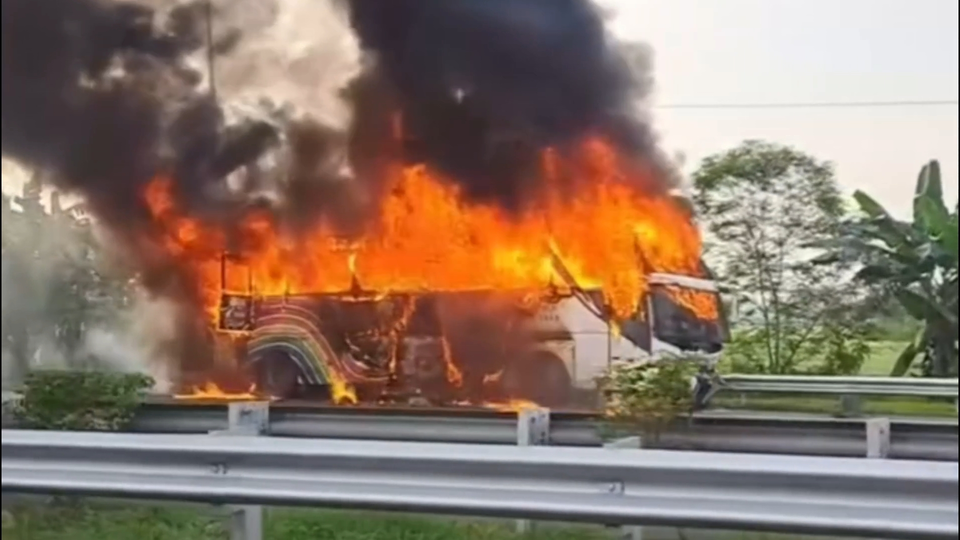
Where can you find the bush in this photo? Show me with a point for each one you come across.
(80, 400)
(648, 397)
(825, 350)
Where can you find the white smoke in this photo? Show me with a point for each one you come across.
(292, 55)
(290, 61)
(14, 175)
(297, 55)
(136, 342)
(35, 264)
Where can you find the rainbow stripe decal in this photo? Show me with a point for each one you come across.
(294, 330)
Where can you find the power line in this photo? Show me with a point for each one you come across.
(813, 105)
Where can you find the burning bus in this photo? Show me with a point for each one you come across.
(451, 202)
(548, 347)
(446, 301)
(442, 299)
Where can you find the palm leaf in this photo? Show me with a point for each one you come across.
(870, 206)
(929, 191)
(909, 354)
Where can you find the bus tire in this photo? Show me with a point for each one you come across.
(541, 378)
(278, 376)
(555, 384)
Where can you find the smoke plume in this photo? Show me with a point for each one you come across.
(139, 340)
(485, 85)
(299, 109)
(89, 90)
(108, 93)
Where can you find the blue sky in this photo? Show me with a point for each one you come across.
(762, 51)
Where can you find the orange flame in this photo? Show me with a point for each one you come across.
(513, 405)
(609, 232)
(212, 392)
(702, 303)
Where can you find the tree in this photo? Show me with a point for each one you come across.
(915, 262)
(15, 272)
(55, 281)
(7, 218)
(11, 225)
(886, 317)
(80, 294)
(761, 205)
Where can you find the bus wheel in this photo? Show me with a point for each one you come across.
(278, 376)
(542, 378)
(554, 381)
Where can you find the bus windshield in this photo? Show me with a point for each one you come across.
(689, 319)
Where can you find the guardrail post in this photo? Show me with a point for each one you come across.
(851, 406)
(630, 532)
(533, 429)
(246, 418)
(878, 438)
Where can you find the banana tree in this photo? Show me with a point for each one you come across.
(915, 261)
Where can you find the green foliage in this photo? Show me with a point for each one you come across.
(648, 397)
(837, 350)
(914, 262)
(761, 205)
(822, 350)
(80, 400)
(887, 319)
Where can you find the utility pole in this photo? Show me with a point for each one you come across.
(210, 50)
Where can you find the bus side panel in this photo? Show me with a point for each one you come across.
(590, 342)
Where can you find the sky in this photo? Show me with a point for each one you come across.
(788, 51)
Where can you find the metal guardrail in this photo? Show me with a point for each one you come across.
(830, 385)
(411, 424)
(799, 495)
(712, 431)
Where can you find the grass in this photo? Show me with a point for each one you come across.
(883, 355)
(141, 522)
(103, 522)
(869, 406)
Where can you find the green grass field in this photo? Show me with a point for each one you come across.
(140, 522)
(184, 523)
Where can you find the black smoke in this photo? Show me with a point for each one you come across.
(485, 85)
(99, 94)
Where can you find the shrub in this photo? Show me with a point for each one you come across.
(80, 400)
(824, 350)
(648, 397)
